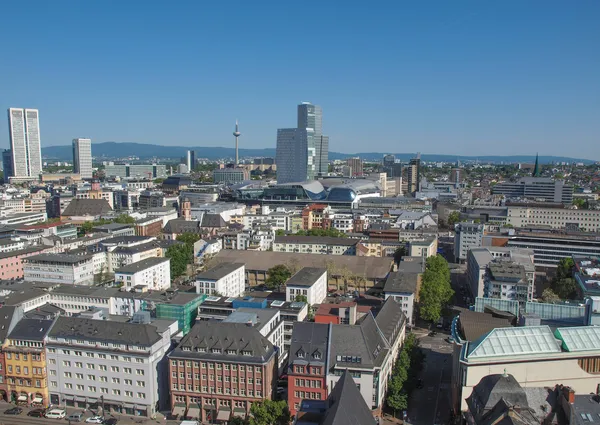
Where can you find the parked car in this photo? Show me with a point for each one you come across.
(94, 420)
(110, 421)
(13, 411)
(56, 414)
(36, 413)
(75, 417)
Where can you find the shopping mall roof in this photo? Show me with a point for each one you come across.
(514, 341)
(580, 338)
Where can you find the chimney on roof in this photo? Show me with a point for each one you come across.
(569, 394)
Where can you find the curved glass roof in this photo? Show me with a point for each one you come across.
(579, 338)
(515, 341)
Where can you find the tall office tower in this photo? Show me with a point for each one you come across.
(356, 167)
(393, 169)
(414, 174)
(191, 160)
(24, 128)
(7, 164)
(310, 117)
(295, 157)
(82, 158)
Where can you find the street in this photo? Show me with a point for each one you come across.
(23, 419)
(431, 404)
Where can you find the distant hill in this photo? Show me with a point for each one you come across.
(146, 151)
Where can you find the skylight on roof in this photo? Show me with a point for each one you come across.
(297, 304)
(277, 303)
(212, 298)
(230, 300)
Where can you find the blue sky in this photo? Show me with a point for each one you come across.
(452, 77)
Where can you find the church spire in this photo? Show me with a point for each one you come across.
(536, 167)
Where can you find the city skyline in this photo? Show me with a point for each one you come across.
(454, 79)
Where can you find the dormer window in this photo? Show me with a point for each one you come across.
(216, 351)
(246, 353)
(230, 351)
(300, 353)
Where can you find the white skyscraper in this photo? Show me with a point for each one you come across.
(310, 117)
(25, 145)
(82, 158)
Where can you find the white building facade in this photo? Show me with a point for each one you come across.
(226, 279)
(25, 145)
(310, 282)
(150, 274)
(82, 158)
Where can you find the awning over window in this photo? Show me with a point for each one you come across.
(193, 411)
(80, 399)
(178, 409)
(22, 398)
(38, 400)
(238, 411)
(223, 415)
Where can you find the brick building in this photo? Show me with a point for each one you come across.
(307, 364)
(219, 369)
(150, 226)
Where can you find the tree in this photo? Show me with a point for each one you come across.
(189, 238)
(236, 420)
(301, 299)
(579, 202)
(278, 275)
(180, 257)
(548, 296)
(279, 232)
(435, 291)
(563, 283)
(453, 218)
(124, 219)
(270, 412)
(399, 253)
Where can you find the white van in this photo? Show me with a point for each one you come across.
(56, 414)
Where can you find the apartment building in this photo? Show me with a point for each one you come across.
(59, 268)
(25, 362)
(120, 366)
(227, 279)
(309, 282)
(11, 262)
(149, 226)
(555, 217)
(403, 286)
(478, 260)
(150, 274)
(467, 236)
(307, 365)
(219, 369)
(24, 218)
(315, 245)
(368, 352)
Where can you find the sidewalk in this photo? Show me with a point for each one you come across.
(122, 419)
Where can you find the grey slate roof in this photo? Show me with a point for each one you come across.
(321, 240)
(390, 319)
(219, 271)
(79, 207)
(144, 335)
(347, 405)
(24, 251)
(308, 339)
(306, 276)
(179, 225)
(31, 330)
(213, 220)
(401, 282)
(142, 265)
(58, 258)
(224, 336)
(361, 345)
(492, 388)
(7, 321)
(111, 227)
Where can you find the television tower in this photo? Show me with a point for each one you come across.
(237, 134)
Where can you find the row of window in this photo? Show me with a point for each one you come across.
(219, 366)
(220, 378)
(21, 382)
(218, 390)
(103, 390)
(308, 383)
(212, 401)
(24, 356)
(307, 395)
(125, 359)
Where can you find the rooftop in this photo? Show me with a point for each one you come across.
(515, 341)
(142, 265)
(307, 276)
(58, 258)
(219, 271)
(322, 240)
(401, 282)
(30, 330)
(144, 335)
